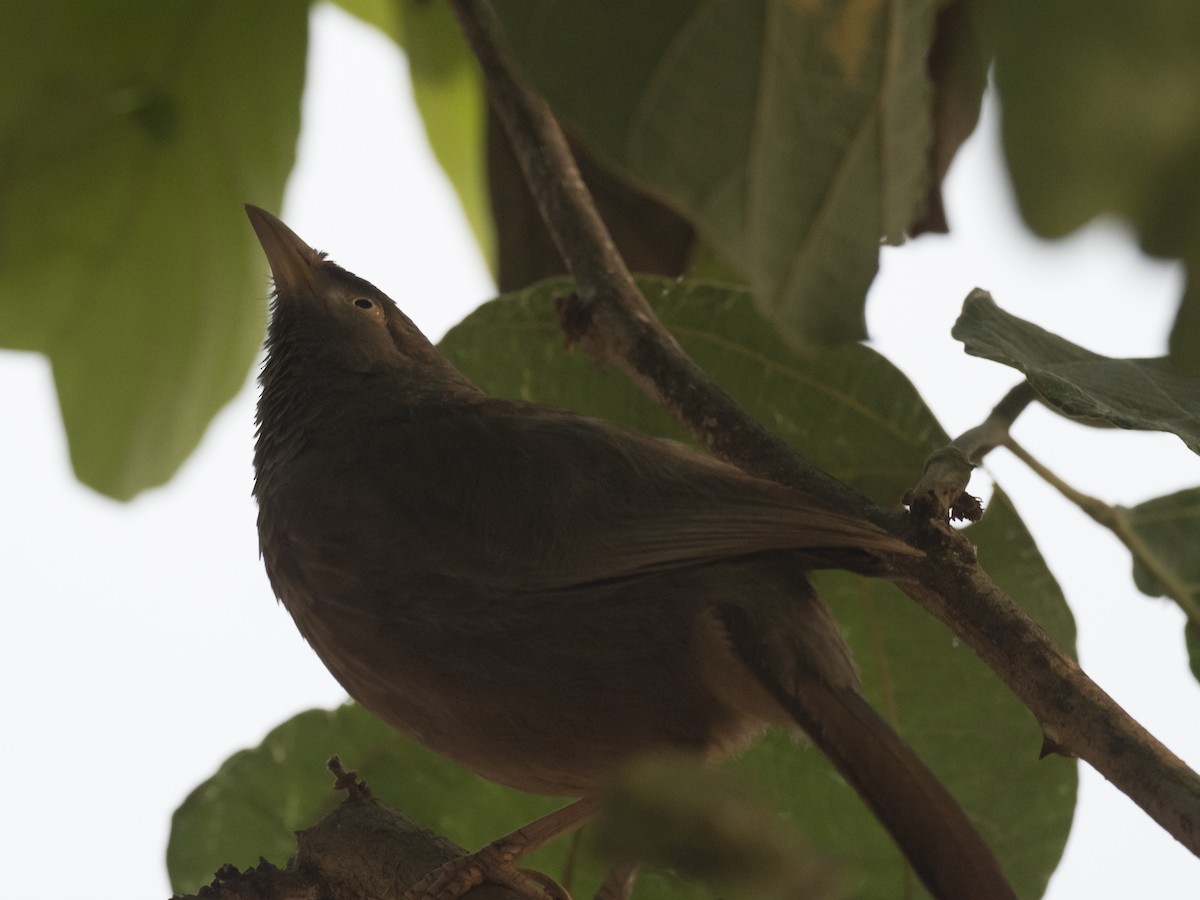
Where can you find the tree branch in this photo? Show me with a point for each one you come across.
(611, 318)
(609, 315)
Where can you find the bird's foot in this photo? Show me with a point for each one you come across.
(494, 863)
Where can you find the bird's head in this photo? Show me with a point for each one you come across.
(331, 317)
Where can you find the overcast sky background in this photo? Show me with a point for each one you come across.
(143, 646)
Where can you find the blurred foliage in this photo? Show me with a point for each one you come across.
(1100, 117)
(130, 136)
(841, 86)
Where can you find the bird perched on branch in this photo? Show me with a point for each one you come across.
(545, 597)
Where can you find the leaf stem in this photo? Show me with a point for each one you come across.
(947, 472)
(1116, 520)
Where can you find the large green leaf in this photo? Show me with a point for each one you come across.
(854, 414)
(1128, 393)
(1168, 529)
(1099, 114)
(255, 802)
(794, 135)
(1100, 117)
(130, 135)
(258, 799)
(513, 348)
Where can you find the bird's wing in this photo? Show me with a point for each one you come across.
(546, 498)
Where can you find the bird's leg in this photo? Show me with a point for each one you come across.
(497, 861)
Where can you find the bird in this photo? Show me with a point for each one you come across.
(545, 597)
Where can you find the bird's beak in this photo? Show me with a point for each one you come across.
(293, 262)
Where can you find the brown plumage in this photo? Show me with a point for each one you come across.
(543, 596)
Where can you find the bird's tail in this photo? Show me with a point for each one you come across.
(931, 829)
(926, 822)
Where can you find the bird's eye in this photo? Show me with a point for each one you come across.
(363, 303)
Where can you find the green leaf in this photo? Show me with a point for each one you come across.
(1128, 393)
(259, 798)
(795, 135)
(254, 804)
(513, 348)
(130, 136)
(855, 415)
(1191, 635)
(386, 15)
(1099, 115)
(1163, 534)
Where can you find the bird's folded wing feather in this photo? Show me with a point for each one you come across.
(623, 503)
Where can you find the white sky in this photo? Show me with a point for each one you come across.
(143, 646)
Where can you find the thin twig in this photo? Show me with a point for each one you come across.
(616, 324)
(1116, 520)
(977, 442)
(1098, 510)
